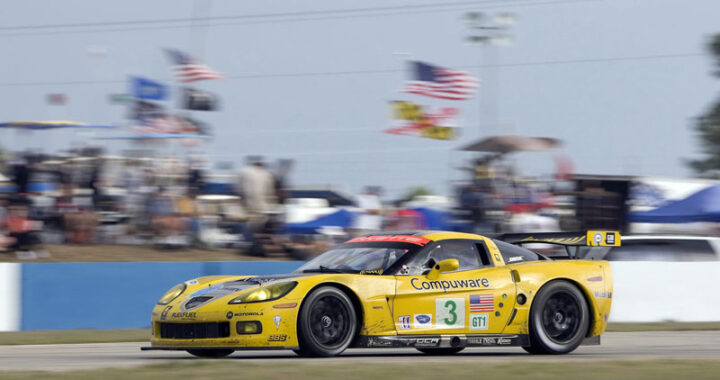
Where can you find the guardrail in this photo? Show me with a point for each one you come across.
(46, 296)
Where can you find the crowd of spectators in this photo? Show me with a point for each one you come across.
(90, 198)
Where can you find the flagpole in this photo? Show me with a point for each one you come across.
(491, 34)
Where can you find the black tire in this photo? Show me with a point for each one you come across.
(559, 319)
(441, 351)
(327, 323)
(211, 353)
(301, 353)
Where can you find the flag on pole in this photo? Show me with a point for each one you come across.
(439, 82)
(188, 70)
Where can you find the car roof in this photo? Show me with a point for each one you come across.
(431, 234)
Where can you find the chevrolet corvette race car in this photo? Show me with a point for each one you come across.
(438, 292)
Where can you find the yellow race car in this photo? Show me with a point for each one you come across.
(438, 292)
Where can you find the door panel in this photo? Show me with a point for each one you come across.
(474, 301)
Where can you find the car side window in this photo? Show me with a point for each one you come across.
(465, 251)
(514, 254)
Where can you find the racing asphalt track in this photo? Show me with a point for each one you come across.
(615, 346)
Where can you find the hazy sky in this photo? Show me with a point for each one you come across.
(618, 80)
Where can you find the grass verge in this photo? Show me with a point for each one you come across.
(313, 369)
(73, 336)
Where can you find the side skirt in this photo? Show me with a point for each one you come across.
(422, 341)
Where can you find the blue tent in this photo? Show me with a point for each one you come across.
(703, 206)
(341, 218)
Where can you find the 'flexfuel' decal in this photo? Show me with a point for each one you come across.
(420, 284)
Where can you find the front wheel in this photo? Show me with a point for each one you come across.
(559, 319)
(327, 323)
(441, 351)
(211, 353)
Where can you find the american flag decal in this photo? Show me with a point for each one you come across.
(482, 302)
(441, 83)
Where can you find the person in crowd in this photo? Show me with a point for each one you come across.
(21, 228)
(282, 172)
(5, 240)
(22, 171)
(165, 223)
(257, 191)
(370, 219)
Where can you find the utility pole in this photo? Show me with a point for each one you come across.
(486, 30)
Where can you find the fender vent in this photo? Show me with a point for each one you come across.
(196, 301)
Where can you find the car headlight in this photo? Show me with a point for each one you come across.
(171, 294)
(265, 293)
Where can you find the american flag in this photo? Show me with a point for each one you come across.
(439, 82)
(482, 302)
(188, 70)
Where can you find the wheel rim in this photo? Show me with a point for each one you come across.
(330, 321)
(561, 317)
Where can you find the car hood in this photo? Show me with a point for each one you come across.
(214, 291)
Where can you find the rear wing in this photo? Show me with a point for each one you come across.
(593, 238)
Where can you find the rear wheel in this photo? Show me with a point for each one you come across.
(327, 323)
(441, 351)
(559, 319)
(211, 353)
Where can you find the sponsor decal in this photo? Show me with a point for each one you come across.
(379, 342)
(422, 321)
(610, 238)
(165, 312)
(229, 315)
(277, 338)
(514, 259)
(424, 342)
(603, 294)
(479, 321)
(420, 284)
(374, 271)
(491, 340)
(249, 314)
(191, 282)
(277, 319)
(482, 302)
(450, 313)
(404, 322)
(598, 238)
(185, 315)
(419, 240)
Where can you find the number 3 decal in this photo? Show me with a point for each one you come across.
(452, 306)
(450, 313)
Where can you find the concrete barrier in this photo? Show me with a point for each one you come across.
(9, 297)
(665, 291)
(40, 296)
(113, 295)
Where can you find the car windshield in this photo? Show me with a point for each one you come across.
(357, 258)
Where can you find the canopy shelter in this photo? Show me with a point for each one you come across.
(341, 218)
(53, 124)
(702, 206)
(158, 136)
(511, 143)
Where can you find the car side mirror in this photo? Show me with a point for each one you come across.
(447, 265)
